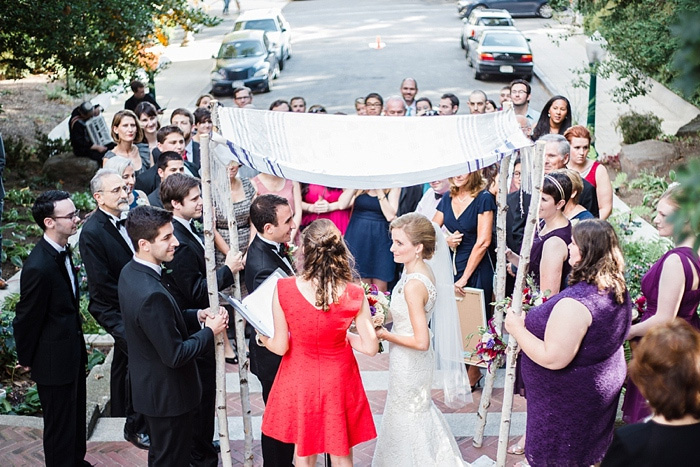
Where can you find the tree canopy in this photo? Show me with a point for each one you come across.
(643, 36)
(88, 39)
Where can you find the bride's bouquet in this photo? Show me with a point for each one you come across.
(378, 306)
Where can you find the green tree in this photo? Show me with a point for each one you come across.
(86, 39)
(640, 39)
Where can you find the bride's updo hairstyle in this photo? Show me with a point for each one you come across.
(326, 260)
(419, 231)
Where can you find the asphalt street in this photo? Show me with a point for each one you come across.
(333, 62)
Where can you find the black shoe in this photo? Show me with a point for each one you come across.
(217, 445)
(140, 440)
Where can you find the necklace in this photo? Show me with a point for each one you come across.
(462, 199)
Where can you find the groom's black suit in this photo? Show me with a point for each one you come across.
(162, 368)
(188, 285)
(262, 260)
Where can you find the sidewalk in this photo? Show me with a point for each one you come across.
(554, 65)
(20, 437)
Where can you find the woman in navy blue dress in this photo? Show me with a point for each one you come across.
(367, 235)
(468, 213)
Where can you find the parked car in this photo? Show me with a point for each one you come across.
(277, 28)
(480, 19)
(501, 52)
(245, 58)
(515, 7)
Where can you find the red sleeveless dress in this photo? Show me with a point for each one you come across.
(317, 400)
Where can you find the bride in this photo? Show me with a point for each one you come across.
(413, 431)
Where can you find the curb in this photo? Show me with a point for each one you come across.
(546, 82)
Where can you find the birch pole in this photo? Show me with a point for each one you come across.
(212, 289)
(243, 362)
(537, 177)
(501, 202)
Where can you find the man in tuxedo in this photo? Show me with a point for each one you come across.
(184, 120)
(188, 285)
(105, 248)
(170, 138)
(163, 372)
(48, 333)
(169, 163)
(273, 219)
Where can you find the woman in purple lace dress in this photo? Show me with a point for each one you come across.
(573, 363)
(672, 289)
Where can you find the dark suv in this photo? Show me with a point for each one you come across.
(246, 58)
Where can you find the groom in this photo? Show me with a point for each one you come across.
(273, 219)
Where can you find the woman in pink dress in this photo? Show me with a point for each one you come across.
(317, 400)
(321, 202)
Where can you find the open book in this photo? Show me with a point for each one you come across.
(256, 308)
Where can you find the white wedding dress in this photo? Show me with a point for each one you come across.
(413, 431)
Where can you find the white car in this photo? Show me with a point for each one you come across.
(273, 23)
(480, 19)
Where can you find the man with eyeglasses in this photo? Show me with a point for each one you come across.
(48, 332)
(373, 104)
(520, 97)
(243, 97)
(105, 249)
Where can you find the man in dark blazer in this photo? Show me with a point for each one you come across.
(273, 218)
(187, 282)
(162, 351)
(48, 333)
(105, 248)
(169, 163)
(170, 139)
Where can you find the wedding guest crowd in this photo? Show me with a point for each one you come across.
(144, 258)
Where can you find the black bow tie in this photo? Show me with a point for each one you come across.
(120, 223)
(438, 195)
(280, 249)
(62, 255)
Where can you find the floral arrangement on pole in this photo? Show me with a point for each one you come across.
(378, 306)
(491, 348)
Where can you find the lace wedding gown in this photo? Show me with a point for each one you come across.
(413, 431)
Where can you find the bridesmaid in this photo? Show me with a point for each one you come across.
(291, 191)
(672, 289)
(125, 132)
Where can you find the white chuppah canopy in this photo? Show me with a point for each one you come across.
(350, 151)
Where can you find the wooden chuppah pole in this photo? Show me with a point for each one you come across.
(243, 362)
(537, 177)
(501, 202)
(213, 293)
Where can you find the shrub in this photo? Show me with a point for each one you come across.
(636, 127)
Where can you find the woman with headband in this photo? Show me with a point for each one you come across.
(549, 255)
